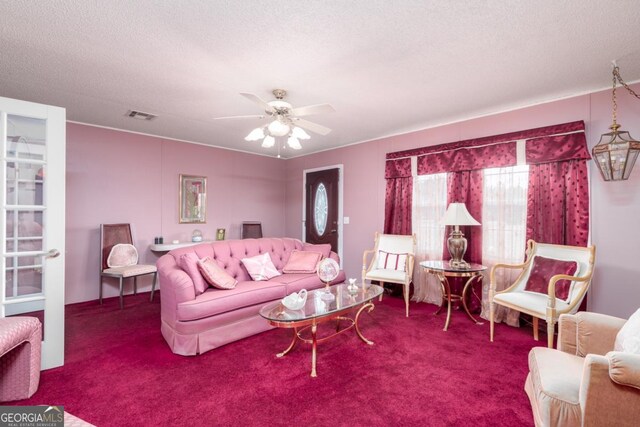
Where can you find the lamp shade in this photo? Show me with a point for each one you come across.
(457, 214)
(278, 128)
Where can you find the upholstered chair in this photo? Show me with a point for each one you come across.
(119, 258)
(20, 353)
(552, 281)
(392, 262)
(584, 382)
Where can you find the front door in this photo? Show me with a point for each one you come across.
(32, 220)
(322, 207)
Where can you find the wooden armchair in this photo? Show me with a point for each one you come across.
(392, 262)
(548, 305)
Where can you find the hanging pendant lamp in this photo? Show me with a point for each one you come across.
(617, 151)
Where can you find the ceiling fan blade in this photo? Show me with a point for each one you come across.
(252, 116)
(313, 127)
(257, 100)
(313, 109)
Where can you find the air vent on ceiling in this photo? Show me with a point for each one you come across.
(139, 115)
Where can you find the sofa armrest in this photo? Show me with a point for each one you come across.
(567, 333)
(596, 333)
(602, 401)
(624, 368)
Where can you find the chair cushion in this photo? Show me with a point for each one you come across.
(324, 249)
(122, 255)
(530, 302)
(391, 261)
(260, 267)
(215, 275)
(555, 378)
(216, 301)
(131, 270)
(628, 338)
(302, 262)
(543, 269)
(391, 276)
(189, 263)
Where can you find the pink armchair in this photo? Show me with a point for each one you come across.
(20, 351)
(584, 382)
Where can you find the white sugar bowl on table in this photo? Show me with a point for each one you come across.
(296, 300)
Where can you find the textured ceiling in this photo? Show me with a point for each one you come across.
(387, 67)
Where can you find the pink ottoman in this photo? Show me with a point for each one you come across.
(20, 351)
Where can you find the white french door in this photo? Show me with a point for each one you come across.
(32, 221)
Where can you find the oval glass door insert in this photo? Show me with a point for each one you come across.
(321, 209)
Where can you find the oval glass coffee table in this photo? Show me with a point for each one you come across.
(320, 309)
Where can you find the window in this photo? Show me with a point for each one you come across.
(504, 214)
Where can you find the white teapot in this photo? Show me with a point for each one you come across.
(296, 300)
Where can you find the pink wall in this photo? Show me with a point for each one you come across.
(615, 206)
(115, 176)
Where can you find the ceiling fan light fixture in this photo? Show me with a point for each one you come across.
(299, 133)
(268, 141)
(254, 135)
(294, 143)
(278, 128)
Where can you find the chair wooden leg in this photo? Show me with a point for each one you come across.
(135, 285)
(121, 296)
(153, 285)
(550, 330)
(492, 311)
(382, 285)
(406, 296)
(100, 289)
(535, 328)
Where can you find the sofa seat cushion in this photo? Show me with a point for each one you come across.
(297, 281)
(555, 380)
(217, 301)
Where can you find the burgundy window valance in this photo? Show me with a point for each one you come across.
(400, 168)
(541, 145)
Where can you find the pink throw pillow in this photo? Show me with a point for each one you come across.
(189, 263)
(543, 269)
(302, 262)
(391, 261)
(260, 267)
(215, 275)
(122, 255)
(324, 249)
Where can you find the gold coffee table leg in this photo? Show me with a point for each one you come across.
(445, 282)
(293, 343)
(370, 306)
(314, 330)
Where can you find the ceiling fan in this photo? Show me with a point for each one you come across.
(284, 120)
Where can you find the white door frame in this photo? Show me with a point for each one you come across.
(54, 221)
(340, 168)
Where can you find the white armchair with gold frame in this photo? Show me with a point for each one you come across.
(392, 262)
(555, 298)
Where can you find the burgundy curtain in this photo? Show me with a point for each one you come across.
(558, 195)
(398, 197)
(558, 203)
(466, 187)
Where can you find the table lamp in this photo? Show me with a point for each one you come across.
(457, 215)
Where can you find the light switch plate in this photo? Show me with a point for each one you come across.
(345, 220)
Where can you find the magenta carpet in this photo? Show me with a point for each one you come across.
(119, 371)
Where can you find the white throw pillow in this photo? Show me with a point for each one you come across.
(260, 267)
(122, 255)
(628, 338)
(391, 261)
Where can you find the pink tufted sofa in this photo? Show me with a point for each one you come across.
(195, 324)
